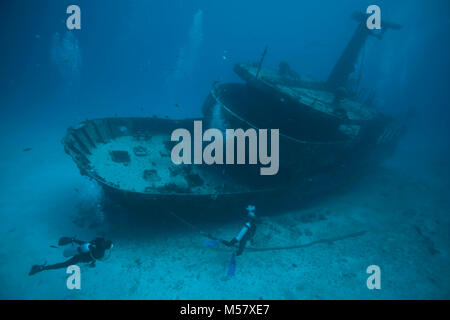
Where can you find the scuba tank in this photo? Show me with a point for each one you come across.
(65, 241)
(76, 249)
(71, 251)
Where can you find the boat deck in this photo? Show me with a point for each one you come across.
(145, 166)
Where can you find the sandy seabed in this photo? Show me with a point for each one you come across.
(404, 223)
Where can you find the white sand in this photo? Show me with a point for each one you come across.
(41, 193)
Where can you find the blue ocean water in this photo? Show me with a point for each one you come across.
(161, 58)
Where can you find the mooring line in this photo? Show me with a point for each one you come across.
(289, 247)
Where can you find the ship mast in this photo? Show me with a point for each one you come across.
(346, 63)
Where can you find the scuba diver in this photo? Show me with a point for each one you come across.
(246, 234)
(82, 251)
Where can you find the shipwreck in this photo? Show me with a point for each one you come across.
(323, 129)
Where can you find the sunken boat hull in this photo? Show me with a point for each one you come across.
(324, 131)
(130, 158)
(311, 141)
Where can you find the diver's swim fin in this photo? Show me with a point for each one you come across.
(211, 243)
(232, 267)
(65, 241)
(37, 268)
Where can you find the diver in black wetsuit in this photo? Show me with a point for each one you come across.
(82, 252)
(246, 233)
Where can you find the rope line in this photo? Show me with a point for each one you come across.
(278, 248)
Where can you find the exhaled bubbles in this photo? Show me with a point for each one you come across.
(188, 55)
(66, 57)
